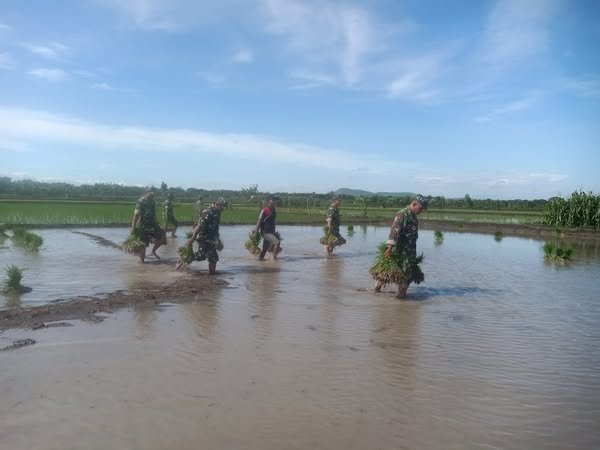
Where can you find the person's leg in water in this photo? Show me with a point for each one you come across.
(264, 250)
(162, 240)
(212, 267)
(378, 286)
(276, 250)
(175, 225)
(402, 288)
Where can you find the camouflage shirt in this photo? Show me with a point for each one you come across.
(146, 208)
(405, 232)
(334, 215)
(209, 224)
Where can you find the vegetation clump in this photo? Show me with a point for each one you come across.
(557, 254)
(350, 230)
(30, 241)
(396, 268)
(253, 242)
(328, 237)
(439, 237)
(133, 245)
(12, 283)
(186, 256)
(498, 236)
(580, 210)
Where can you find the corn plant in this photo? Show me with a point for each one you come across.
(580, 210)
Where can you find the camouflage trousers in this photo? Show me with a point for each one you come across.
(151, 233)
(207, 250)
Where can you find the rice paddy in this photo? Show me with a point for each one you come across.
(90, 213)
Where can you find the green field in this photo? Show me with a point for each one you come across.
(55, 213)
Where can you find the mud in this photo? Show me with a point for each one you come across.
(99, 240)
(508, 229)
(92, 308)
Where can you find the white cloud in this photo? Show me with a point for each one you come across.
(243, 56)
(514, 106)
(53, 50)
(494, 184)
(49, 74)
(6, 61)
(174, 15)
(27, 125)
(310, 80)
(109, 88)
(583, 87)
(211, 77)
(326, 33)
(517, 30)
(5, 27)
(416, 79)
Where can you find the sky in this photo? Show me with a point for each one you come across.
(497, 99)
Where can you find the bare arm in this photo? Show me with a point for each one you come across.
(260, 219)
(135, 221)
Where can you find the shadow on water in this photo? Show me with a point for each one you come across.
(425, 293)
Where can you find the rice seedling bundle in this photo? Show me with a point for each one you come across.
(30, 241)
(133, 245)
(328, 237)
(498, 236)
(396, 268)
(253, 242)
(12, 283)
(439, 236)
(186, 256)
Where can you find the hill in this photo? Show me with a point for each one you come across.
(360, 192)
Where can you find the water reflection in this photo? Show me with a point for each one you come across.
(263, 288)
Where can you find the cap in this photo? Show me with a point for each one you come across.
(424, 201)
(220, 201)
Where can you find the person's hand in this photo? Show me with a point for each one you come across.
(388, 251)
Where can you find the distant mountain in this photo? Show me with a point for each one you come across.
(360, 192)
(354, 192)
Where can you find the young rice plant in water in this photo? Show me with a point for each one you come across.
(12, 283)
(439, 236)
(557, 254)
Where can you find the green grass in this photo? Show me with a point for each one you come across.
(79, 213)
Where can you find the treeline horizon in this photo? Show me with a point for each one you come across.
(42, 190)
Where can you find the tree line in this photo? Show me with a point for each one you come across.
(39, 190)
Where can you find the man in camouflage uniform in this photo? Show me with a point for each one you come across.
(169, 216)
(206, 234)
(403, 235)
(145, 224)
(333, 224)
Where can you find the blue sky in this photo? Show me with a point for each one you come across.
(497, 99)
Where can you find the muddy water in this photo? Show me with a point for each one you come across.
(497, 349)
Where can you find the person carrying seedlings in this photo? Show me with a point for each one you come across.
(169, 216)
(206, 234)
(401, 248)
(145, 225)
(266, 227)
(332, 237)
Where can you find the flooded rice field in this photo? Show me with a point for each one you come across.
(497, 350)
